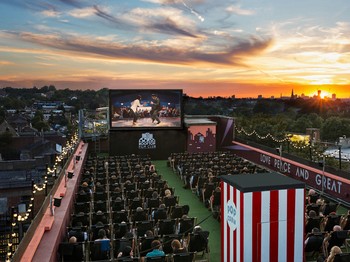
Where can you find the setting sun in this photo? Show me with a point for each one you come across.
(322, 94)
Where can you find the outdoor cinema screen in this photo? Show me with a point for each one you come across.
(137, 108)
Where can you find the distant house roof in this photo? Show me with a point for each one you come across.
(28, 130)
(6, 127)
(17, 120)
(3, 93)
(40, 148)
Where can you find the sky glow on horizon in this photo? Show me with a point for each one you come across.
(206, 48)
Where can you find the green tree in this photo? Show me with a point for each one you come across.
(39, 123)
(316, 120)
(301, 124)
(332, 129)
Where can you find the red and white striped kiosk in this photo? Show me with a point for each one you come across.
(262, 218)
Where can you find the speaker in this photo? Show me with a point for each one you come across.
(57, 202)
(70, 174)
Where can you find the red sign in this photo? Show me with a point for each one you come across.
(337, 187)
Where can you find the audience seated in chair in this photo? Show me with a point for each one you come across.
(95, 229)
(156, 249)
(120, 229)
(328, 207)
(120, 244)
(313, 243)
(207, 192)
(166, 226)
(313, 206)
(118, 204)
(312, 196)
(139, 215)
(143, 226)
(160, 213)
(71, 251)
(333, 252)
(215, 203)
(101, 246)
(199, 240)
(330, 221)
(145, 242)
(335, 238)
(312, 221)
(185, 225)
(177, 247)
(176, 211)
(78, 232)
(127, 252)
(167, 240)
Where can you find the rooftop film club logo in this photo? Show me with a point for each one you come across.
(231, 215)
(147, 141)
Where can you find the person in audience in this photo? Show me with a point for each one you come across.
(153, 201)
(140, 215)
(78, 232)
(78, 253)
(155, 195)
(123, 244)
(99, 187)
(156, 249)
(335, 238)
(126, 252)
(105, 244)
(87, 189)
(102, 235)
(113, 179)
(100, 216)
(177, 247)
(117, 191)
(312, 196)
(313, 241)
(155, 176)
(159, 213)
(199, 239)
(72, 240)
(152, 168)
(149, 233)
(312, 214)
(165, 188)
(179, 226)
(212, 197)
(207, 191)
(167, 193)
(185, 209)
(334, 251)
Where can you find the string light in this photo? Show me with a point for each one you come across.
(65, 151)
(19, 218)
(297, 145)
(262, 137)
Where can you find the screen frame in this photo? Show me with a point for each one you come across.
(122, 92)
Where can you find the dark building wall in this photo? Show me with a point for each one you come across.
(159, 144)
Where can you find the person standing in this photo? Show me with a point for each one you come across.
(156, 107)
(134, 107)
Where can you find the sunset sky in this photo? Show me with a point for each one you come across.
(205, 47)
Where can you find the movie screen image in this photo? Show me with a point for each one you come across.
(131, 109)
